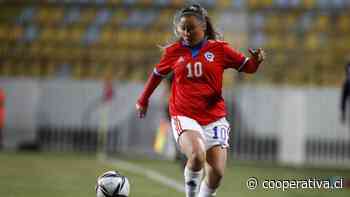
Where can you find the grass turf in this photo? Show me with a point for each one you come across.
(65, 175)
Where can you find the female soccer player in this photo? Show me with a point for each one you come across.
(197, 108)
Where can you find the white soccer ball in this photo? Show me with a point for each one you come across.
(112, 184)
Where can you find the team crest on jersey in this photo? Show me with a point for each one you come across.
(209, 56)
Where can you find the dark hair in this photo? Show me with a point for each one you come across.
(202, 14)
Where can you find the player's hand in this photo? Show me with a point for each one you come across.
(258, 55)
(142, 110)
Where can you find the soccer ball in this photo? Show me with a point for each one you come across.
(112, 184)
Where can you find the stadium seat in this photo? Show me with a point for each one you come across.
(291, 42)
(322, 23)
(273, 23)
(254, 4)
(224, 4)
(30, 33)
(102, 17)
(27, 15)
(71, 15)
(309, 4)
(104, 31)
(266, 3)
(238, 4)
(312, 42)
(177, 3)
(87, 16)
(343, 23)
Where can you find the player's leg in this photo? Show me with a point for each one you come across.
(187, 133)
(215, 167)
(216, 135)
(192, 145)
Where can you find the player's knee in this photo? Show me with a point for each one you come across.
(197, 157)
(218, 173)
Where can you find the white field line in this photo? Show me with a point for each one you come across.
(151, 174)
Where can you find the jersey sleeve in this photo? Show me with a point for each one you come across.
(164, 67)
(234, 58)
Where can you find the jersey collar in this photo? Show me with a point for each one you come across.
(197, 46)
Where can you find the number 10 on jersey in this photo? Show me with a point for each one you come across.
(194, 70)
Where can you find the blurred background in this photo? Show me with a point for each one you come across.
(71, 71)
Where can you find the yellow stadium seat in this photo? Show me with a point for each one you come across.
(77, 71)
(49, 70)
(177, 3)
(266, 3)
(118, 17)
(274, 42)
(309, 4)
(36, 49)
(146, 2)
(312, 42)
(343, 24)
(76, 53)
(291, 42)
(42, 15)
(291, 20)
(322, 23)
(57, 15)
(223, 3)
(87, 15)
(8, 69)
(123, 37)
(273, 23)
(106, 36)
(254, 4)
(34, 69)
(62, 35)
(5, 32)
(115, 2)
(165, 18)
(17, 32)
(49, 51)
(76, 34)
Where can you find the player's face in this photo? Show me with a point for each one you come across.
(191, 30)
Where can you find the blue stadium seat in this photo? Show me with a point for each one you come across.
(92, 34)
(27, 15)
(31, 33)
(258, 40)
(281, 3)
(162, 2)
(339, 3)
(139, 19)
(102, 17)
(238, 4)
(71, 16)
(323, 3)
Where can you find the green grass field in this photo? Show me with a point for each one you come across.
(74, 175)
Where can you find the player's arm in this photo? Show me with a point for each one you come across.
(151, 84)
(255, 59)
(159, 72)
(237, 60)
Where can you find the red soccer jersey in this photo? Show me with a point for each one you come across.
(197, 83)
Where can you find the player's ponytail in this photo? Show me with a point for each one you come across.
(210, 31)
